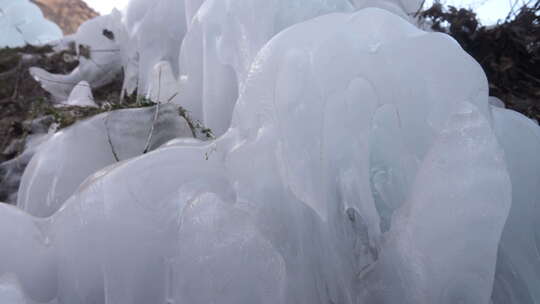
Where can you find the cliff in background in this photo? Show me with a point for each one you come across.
(68, 14)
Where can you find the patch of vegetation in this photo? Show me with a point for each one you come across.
(18, 91)
(195, 126)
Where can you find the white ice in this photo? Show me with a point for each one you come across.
(163, 84)
(11, 291)
(349, 173)
(71, 155)
(99, 57)
(219, 48)
(518, 264)
(81, 96)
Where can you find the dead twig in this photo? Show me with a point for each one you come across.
(17, 81)
(109, 140)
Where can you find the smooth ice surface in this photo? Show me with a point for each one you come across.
(518, 264)
(81, 96)
(21, 22)
(163, 85)
(496, 102)
(221, 44)
(155, 34)
(10, 291)
(71, 155)
(349, 173)
(432, 254)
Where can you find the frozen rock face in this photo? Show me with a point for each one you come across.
(350, 174)
(22, 22)
(73, 154)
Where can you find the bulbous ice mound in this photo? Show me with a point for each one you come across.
(518, 263)
(22, 22)
(362, 166)
(151, 40)
(223, 40)
(73, 154)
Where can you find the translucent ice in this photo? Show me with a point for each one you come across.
(10, 291)
(219, 48)
(432, 254)
(518, 264)
(496, 102)
(350, 172)
(64, 161)
(81, 96)
(163, 85)
(154, 38)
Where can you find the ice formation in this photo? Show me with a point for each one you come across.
(72, 155)
(21, 22)
(99, 56)
(10, 290)
(163, 84)
(150, 39)
(360, 161)
(219, 48)
(81, 96)
(11, 171)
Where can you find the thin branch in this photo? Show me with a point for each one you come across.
(148, 140)
(172, 97)
(419, 9)
(151, 133)
(159, 87)
(192, 127)
(17, 81)
(105, 50)
(109, 138)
